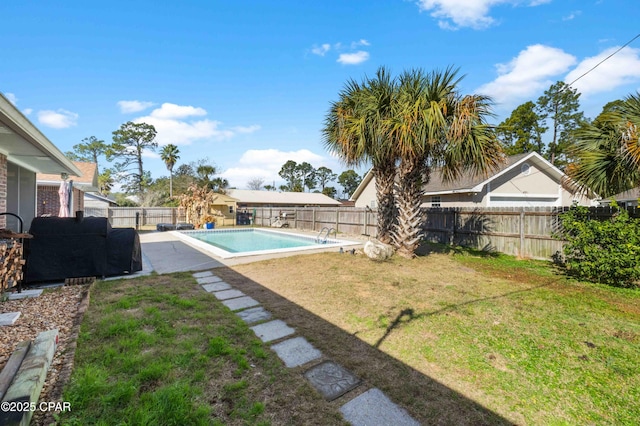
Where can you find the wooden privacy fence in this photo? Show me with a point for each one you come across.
(135, 217)
(526, 232)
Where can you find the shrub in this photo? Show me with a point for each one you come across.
(605, 251)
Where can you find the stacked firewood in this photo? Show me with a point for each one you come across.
(11, 261)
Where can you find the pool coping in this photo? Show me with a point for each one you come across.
(223, 254)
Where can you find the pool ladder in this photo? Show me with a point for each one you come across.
(320, 239)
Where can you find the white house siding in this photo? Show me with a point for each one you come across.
(519, 188)
(368, 196)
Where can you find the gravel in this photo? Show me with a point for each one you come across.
(60, 308)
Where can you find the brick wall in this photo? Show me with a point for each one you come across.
(49, 200)
(3, 189)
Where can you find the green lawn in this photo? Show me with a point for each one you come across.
(161, 351)
(453, 337)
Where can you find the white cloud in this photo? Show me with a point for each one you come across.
(321, 50)
(353, 58)
(127, 107)
(175, 125)
(266, 163)
(12, 98)
(533, 70)
(27, 111)
(60, 119)
(169, 111)
(571, 16)
(620, 69)
(452, 14)
(361, 42)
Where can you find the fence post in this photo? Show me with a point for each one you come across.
(173, 215)
(313, 219)
(337, 218)
(522, 233)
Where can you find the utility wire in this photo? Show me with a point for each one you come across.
(599, 63)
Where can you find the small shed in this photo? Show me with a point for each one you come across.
(224, 208)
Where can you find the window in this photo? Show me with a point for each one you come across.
(373, 204)
(435, 201)
(230, 209)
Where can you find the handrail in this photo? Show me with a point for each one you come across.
(16, 216)
(320, 234)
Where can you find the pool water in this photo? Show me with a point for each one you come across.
(228, 243)
(252, 240)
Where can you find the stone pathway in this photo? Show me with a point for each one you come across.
(331, 380)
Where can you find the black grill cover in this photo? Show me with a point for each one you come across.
(69, 248)
(123, 251)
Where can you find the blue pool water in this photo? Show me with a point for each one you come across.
(228, 243)
(251, 240)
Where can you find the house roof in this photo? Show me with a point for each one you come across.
(26, 146)
(630, 195)
(282, 198)
(100, 198)
(223, 199)
(87, 181)
(469, 182)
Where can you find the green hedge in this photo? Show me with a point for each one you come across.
(605, 251)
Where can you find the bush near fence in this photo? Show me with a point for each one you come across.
(526, 232)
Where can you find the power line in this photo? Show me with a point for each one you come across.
(599, 63)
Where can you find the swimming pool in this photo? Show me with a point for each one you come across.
(228, 243)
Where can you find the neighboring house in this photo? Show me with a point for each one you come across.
(227, 206)
(48, 200)
(250, 198)
(624, 199)
(24, 151)
(524, 180)
(93, 200)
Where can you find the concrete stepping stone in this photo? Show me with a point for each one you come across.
(272, 330)
(253, 315)
(228, 294)
(240, 303)
(25, 294)
(209, 280)
(9, 318)
(202, 274)
(295, 352)
(331, 380)
(374, 408)
(216, 286)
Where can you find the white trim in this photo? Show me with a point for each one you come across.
(523, 195)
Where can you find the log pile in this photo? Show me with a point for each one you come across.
(11, 261)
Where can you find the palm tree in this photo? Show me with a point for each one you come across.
(356, 130)
(433, 125)
(607, 150)
(169, 155)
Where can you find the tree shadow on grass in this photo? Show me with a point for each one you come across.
(427, 400)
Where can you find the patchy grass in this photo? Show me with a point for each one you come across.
(511, 340)
(159, 350)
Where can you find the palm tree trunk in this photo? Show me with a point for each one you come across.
(170, 184)
(385, 177)
(408, 231)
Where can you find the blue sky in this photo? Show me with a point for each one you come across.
(247, 84)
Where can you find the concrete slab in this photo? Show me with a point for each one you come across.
(168, 256)
(24, 294)
(272, 330)
(228, 294)
(295, 352)
(209, 280)
(240, 303)
(254, 315)
(216, 286)
(374, 408)
(331, 380)
(9, 318)
(202, 274)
